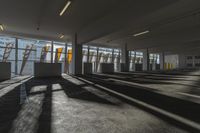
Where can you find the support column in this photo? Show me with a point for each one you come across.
(118, 61)
(76, 56)
(113, 56)
(66, 60)
(182, 61)
(146, 60)
(125, 59)
(88, 54)
(16, 56)
(96, 62)
(51, 51)
(134, 59)
(65, 53)
(162, 61)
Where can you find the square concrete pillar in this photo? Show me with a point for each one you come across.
(182, 61)
(162, 61)
(107, 67)
(146, 64)
(76, 56)
(125, 59)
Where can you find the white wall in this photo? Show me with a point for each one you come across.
(172, 59)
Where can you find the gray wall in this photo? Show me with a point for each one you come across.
(5, 71)
(47, 69)
(107, 67)
(87, 68)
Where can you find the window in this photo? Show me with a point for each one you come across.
(28, 52)
(189, 57)
(197, 57)
(7, 43)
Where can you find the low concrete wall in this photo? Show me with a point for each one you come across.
(151, 67)
(47, 69)
(107, 67)
(87, 68)
(124, 67)
(138, 67)
(5, 71)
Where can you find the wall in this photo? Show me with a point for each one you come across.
(172, 60)
(192, 61)
(182, 61)
(5, 71)
(107, 67)
(47, 69)
(87, 68)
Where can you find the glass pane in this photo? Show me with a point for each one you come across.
(7, 44)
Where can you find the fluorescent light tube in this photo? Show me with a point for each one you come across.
(1, 27)
(65, 8)
(141, 33)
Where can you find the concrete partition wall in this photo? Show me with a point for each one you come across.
(146, 64)
(138, 67)
(87, 68)
(123, 67)
(47, 69)
(5, 71)
(107, 67)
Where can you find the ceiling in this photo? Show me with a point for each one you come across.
(173, 24)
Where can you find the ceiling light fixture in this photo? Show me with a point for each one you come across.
(65, 8)
(62, 36)
(1, 27)
(141, 33)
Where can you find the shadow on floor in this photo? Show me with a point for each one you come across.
(10, 107)
(180, 107)
(11, 110)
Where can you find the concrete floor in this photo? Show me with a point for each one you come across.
(81, 105)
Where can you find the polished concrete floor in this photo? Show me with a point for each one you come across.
(101, 103)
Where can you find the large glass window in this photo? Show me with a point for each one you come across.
(59, 54)
(154, 59)
(85, 53)
(135, 58)
(98, 55)
(117, 55)
(7, 51)
(30, 51)
(132, 58)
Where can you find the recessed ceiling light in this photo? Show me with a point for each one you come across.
(65, 8)
(62, 36)
(1, 27)
(141, 33)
